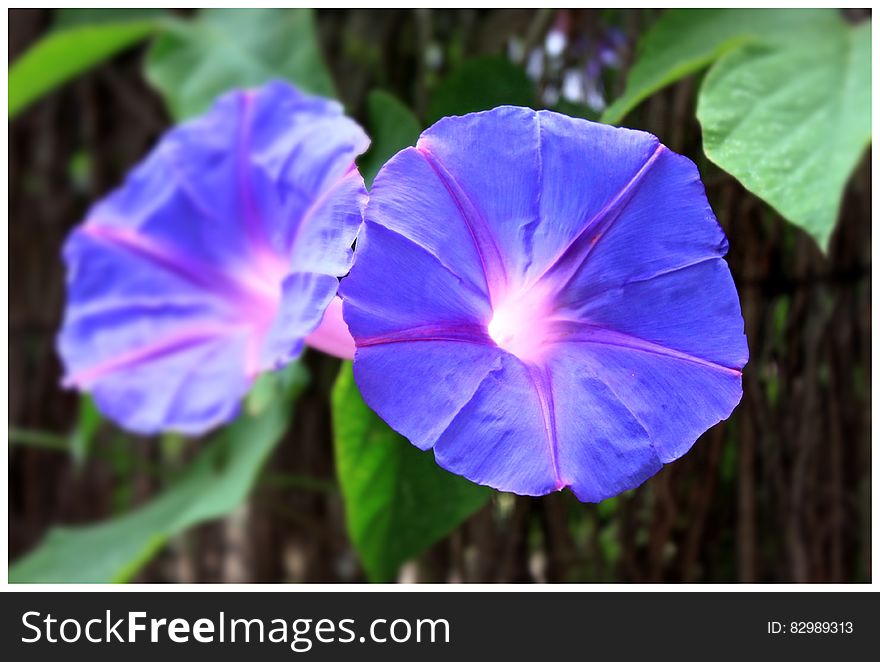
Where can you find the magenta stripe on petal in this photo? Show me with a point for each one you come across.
(547, 305)
(214, 261)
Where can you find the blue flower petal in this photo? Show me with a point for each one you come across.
(565, 319)
(500, 437)
(398, 286)
(214, 260)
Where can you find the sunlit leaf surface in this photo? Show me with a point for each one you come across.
(791, 123)
(684, 41)
(64, 53)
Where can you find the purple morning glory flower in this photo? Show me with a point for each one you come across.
(543, 301)
(214, 260)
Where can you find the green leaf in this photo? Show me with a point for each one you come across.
(38, 439)
(63, 54)
(213, 485)
(392, 127)
(195, 61)
(481, 83)
(792, 122)
(576, 110)
(398, 502)
(68, 17)
(684, 41)
(87, 424)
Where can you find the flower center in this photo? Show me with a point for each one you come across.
(521, 324)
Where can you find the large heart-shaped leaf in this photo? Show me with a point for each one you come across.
(398, 502)
(684, 41)
(65, 53)
(791, 122)
(195, 61)
(213, 485)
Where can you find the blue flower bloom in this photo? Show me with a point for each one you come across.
(214, 260)
(543, 302)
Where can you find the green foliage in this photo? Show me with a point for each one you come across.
(398, 502)
(79, 443)
(576, 110)
(87, 424)
(213, 485)
(481, 83)
(68, 17)
(684, 41)
(785, 108)
(38, 439)
(392, 128)
(792, 123)
(63, 54)
(195, 61)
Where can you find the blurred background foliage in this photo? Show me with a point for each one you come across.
(308, 484)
